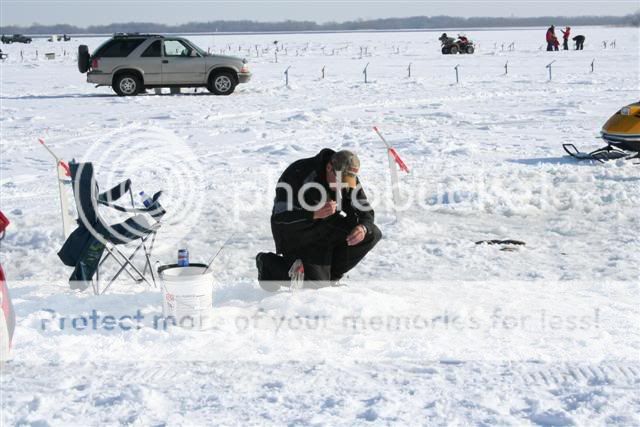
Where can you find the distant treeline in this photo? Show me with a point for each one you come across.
(416, 22)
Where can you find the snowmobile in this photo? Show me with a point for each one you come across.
(622, 135)
(452, 46)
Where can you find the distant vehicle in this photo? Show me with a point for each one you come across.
(58, 38)
(16, 38)
(453, 46)
(131, 63)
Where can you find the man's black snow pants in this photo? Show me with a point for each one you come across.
(324, 251)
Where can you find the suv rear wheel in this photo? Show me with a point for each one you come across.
(127, 85)
(222, 83)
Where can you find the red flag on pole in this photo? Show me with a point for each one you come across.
(403, 167)
(392, 151)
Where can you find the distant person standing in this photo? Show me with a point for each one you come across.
(579, 39)
(565, 38)
(551, 38)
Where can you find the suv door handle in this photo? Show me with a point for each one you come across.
(165, 61)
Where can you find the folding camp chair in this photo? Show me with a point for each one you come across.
(85, 247)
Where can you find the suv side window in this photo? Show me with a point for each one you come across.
(153, 51)
(177, 48)
(119, 48)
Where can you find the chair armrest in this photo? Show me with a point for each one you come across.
(116, 192)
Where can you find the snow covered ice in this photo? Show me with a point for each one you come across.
(432, 329)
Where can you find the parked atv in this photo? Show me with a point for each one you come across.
(453, 46)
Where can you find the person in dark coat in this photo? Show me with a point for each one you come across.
(329, 232)
(565, 38)
(579, 39)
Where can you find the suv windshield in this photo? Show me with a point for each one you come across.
(196, 48)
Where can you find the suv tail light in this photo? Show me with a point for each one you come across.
(95, 64)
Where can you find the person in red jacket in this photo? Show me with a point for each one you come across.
(551, 38)
(565, 37)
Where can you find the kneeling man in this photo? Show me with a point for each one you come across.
(321, 222)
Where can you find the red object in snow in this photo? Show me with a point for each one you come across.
(403, 167)
(4, 222)
(7, 317)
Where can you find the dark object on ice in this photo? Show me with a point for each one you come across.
(3, 55)
(272, 270)
(622, 135)
(501, 242)
(16, 38)
(579, 39)
(319, 241)
(450, 46)
(507, 245)
(85, 246)
(58, 38)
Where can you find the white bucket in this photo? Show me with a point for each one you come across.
(187, 296)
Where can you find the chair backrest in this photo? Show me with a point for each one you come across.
(88, 198)
(85, 192)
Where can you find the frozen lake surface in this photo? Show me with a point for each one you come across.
(431, 329)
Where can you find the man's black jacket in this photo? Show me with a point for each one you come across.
(293, 225)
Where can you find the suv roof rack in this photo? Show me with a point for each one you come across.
(124, 35)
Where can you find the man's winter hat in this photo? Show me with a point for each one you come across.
(348, 164)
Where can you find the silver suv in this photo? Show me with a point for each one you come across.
(130, 63)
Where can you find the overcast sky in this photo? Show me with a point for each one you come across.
(90, 12)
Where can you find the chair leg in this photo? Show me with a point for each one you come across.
(104, 259)
(147, 254)
(126, 262)
(147, 257)
(123, 263)
(95, 284)
(153, 241)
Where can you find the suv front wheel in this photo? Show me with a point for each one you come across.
(222, 83)
(127, 85)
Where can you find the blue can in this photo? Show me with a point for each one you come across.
(183, 258)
